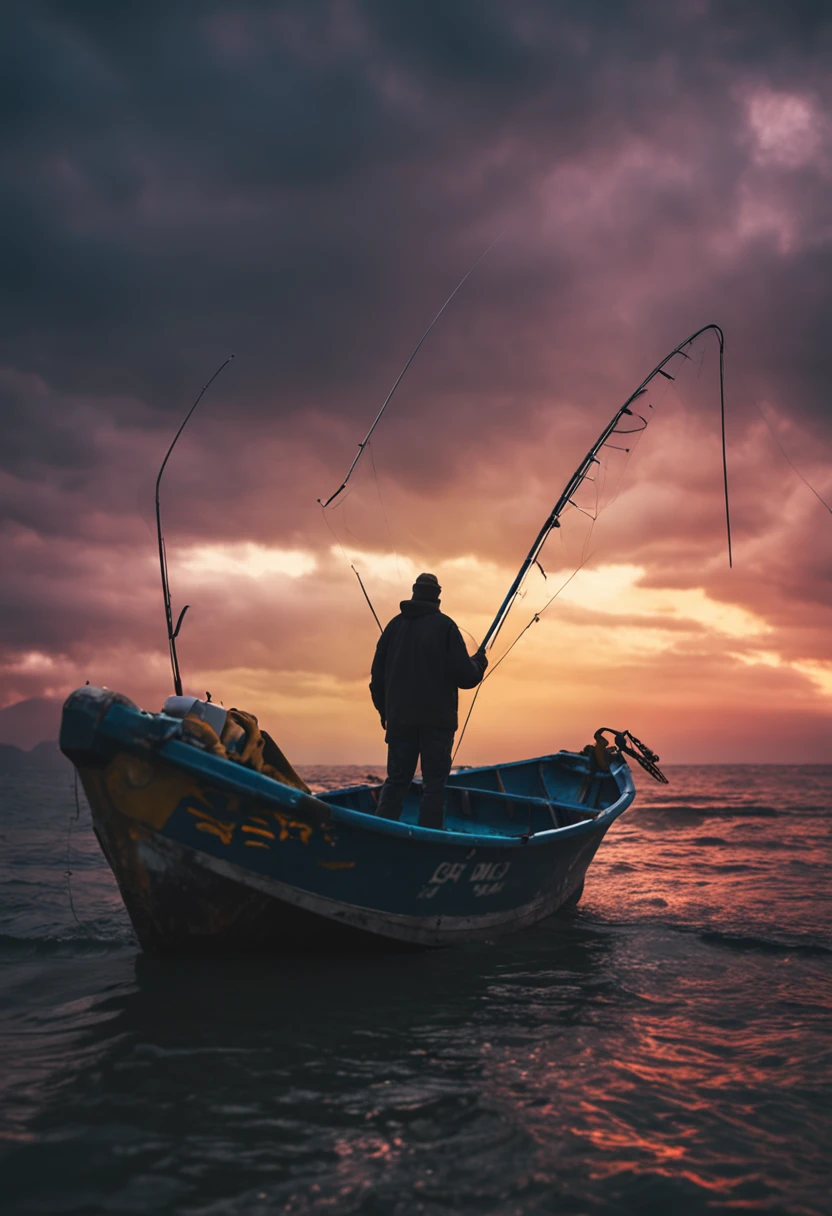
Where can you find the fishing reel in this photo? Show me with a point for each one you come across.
(639, 751)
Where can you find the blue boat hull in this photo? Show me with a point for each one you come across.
(210, 855)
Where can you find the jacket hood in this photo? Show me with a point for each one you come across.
(415, 608)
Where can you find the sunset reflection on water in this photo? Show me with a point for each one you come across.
(663, 1049)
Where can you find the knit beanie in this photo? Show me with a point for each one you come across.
(427, 587)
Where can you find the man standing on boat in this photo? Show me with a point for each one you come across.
(420, 664)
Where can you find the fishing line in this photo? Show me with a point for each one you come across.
(336, 539)
(462, 629)
(724, 448)
(384, 510)
(586, 466)
(355, 572)
(401, 374)
(163, 557)
(582, 474)
(665, 387)
(701, 364)
(596, 513)
(587, 539)
(784, 453)
(630, 451)
(342, 507)
(605, 468)
(537, 617)
(593, 517)
(508, 651)
(68, 872)
(367, 438)
(347, 528)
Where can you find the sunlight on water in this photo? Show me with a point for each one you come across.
(665, 1048)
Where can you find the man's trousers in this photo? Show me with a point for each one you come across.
(404, 747)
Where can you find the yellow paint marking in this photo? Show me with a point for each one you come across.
(263, 822)
(225, 837)
(153, 803)
(335, 865)
(304, 830)
(216, 827)
(259, 831)
(256, 844)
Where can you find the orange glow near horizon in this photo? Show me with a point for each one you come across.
(611, 252)
(664, 661)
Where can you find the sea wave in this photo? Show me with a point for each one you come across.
(748, 810)
(763, 945)
(67, 944)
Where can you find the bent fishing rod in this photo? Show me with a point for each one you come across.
(173, 633)
(583, 470)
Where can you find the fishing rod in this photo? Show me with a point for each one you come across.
(173, 633)
(583, 470)
(401, 374)
(534, 621)
(367, 598)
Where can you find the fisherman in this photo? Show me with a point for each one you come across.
(420, 664)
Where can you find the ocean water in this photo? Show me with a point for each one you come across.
(663, 1049)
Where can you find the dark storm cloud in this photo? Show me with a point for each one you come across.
(305, 183)
(302, 183)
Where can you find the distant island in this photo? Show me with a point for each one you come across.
(29, 735)
(26, 723)
(44, 755)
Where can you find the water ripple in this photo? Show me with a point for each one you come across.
(664, 1048)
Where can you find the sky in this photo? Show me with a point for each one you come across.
(303, 185)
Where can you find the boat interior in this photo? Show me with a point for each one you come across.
(519, 799)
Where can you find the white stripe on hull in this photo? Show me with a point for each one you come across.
(418, 930)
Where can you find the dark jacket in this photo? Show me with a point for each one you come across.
(419, 665)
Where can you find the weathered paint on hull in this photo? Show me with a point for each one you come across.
(178, 904)
(210, 855)
(182, 898)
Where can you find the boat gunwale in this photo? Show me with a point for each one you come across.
(493, 839)
(250, 783)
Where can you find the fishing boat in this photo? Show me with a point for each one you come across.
(211, 854)
(217, 843)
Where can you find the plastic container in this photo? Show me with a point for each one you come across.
(180, 707)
